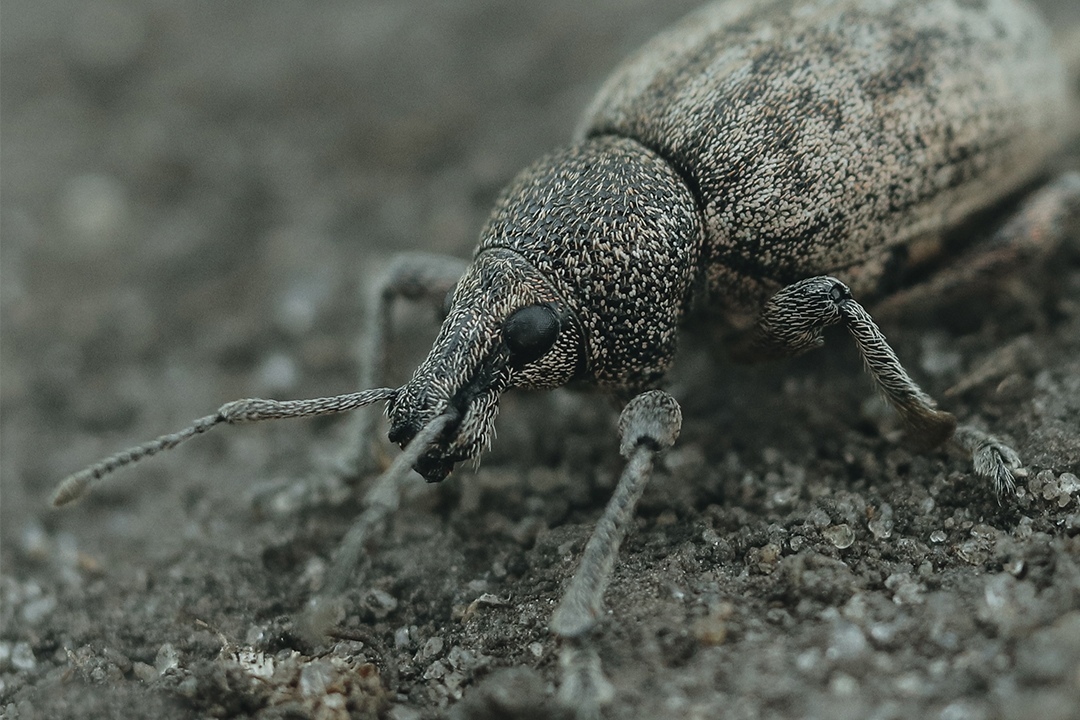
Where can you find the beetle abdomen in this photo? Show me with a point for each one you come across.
(818, 137)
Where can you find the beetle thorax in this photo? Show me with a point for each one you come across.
(618, 233)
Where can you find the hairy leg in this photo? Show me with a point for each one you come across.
(649, 424)
(792, 323)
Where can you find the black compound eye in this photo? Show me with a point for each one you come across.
(530, 332)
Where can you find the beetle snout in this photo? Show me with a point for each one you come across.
(403, 433)
(438, 460)
(404, 429)
(433, 468)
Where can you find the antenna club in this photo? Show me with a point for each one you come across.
(72, 488)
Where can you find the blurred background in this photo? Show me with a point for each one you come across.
(192, 198)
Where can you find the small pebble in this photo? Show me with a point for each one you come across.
(34, 611)
(145, 673)
(818, 518)
(847, 642)
(22, 657)
(94, 208)
(881, 526)
(255, 634)
(432, 648)
(1050, 489)
(315, 676)
(435, 671)
(840, 535)
(167, 659)
(402, 637)
(843, 685)
(1069, 483)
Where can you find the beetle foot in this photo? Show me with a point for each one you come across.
(992, 458)
(583, 690)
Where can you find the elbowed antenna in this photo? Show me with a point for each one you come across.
(238, 411)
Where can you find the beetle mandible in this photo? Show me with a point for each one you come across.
(774, 161)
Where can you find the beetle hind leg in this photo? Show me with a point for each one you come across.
(993, 459)
(1031, 234)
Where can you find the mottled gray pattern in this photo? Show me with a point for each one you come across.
(820, 137)
(469, 365)
(612, 226)
(607, 233)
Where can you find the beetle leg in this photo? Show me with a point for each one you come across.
(410, 276)
(380, 502)
(1032, 233)
(992, 458)
(792, 323)
(583, 689)
(649, 423)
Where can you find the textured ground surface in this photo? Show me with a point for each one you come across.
(193, 194)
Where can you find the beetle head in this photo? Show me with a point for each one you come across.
(506, 327)
(584, 271)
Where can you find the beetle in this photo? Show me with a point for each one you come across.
(780, 163)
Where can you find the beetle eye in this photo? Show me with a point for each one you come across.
(530, 332)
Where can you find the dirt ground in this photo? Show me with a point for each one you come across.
(193, 197)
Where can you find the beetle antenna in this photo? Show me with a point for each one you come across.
(237, 411)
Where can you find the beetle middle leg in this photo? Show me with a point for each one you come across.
(649, 423)
(792, 323)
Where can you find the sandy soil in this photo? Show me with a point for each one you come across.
(193, 197)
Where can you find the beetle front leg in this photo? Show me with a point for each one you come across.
(792, 323)
(411, 276)
(649, 423)
(420, 277)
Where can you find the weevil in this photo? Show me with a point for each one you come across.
(780, 163)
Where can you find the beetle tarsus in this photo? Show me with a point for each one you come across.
(583, 688)
(992, 458)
